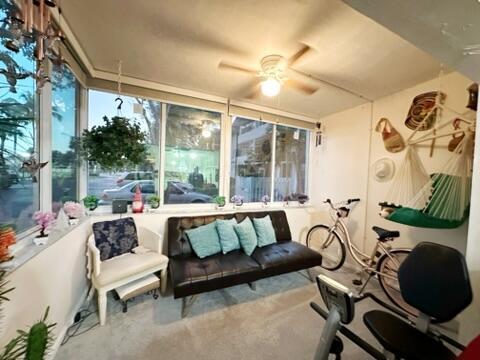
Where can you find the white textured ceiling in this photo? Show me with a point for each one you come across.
(180, 43)
(443, 28)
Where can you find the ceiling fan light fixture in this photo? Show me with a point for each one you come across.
(271, 87)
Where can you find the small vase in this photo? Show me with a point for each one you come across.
(220, 207)
(73, 221)
(41, 239)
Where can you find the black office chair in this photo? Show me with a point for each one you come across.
(433, 279)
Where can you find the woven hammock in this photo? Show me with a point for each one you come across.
(438, 201)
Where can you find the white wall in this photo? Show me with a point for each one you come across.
(351, 146)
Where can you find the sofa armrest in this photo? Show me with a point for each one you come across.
(93, 255)
(149, 239)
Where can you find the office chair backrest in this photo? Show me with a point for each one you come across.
(434, 279)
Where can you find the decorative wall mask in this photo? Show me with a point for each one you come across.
(424, 105)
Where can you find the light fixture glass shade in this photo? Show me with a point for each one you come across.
(271, 87)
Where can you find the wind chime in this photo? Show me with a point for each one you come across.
(33, 23)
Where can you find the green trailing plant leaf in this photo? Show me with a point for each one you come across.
(3, 287)
(116, 145)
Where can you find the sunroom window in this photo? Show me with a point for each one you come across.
(290, 177)
(64, 131)
(251, 159)
(120, 185)
(19, 190)
(192, 155)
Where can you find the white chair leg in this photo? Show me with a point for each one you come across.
(163, 281)
(102, 306)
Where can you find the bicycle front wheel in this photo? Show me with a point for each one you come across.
(328, 244)
(388, 265)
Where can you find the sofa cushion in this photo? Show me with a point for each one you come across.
(191, 275)
(204, 240)
(264, 230)
(228, 237)
(120, 267)
(115, 237)
(285, 257)
(247, 236)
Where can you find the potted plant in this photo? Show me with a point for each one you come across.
(302, 198)
(220, 201)
(265, 200)
(74, 211)
(237, 200)
(154, 201)
(45, 221)
(91, 202)
(7, 238)
(116, 145)
(32, 344)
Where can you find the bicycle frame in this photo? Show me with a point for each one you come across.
(368, 260)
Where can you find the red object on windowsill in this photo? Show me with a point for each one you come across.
(137, 203)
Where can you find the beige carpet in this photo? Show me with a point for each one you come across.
(273, 322)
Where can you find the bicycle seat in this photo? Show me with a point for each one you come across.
(384, 234)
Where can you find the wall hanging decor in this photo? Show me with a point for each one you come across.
(472, 97)
(392, 139)
(456, 138)
(424, 110)
(383, 169)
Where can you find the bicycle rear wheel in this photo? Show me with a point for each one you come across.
(389, 265)
(328, 244)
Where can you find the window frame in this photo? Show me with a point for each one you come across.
(308, 150)
(226, 122)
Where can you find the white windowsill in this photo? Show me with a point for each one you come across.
(209, 208)
(25, 249)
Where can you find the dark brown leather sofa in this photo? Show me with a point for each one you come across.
(191, 275)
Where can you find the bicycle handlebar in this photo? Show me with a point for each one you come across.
(347, 202)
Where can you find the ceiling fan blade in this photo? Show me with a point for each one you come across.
(325, 82)
(297, 85)
(226, 66)
(251, 90)
(295, 57)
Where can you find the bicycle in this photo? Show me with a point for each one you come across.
(332, 243)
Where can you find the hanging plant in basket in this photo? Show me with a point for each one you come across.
(116, 145)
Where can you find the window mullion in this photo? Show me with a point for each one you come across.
(82, 124)
(272, 173)
(45, 147)
(161, 177)
(225, 154)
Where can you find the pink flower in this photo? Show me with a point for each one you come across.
(73, 209)
(44, 219)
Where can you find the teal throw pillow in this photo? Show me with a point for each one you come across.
(265, 231)
(228, 237)
(204, 240)
(247, 236)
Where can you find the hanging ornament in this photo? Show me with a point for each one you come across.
(41, 76)
(11, 75)
(32, 166)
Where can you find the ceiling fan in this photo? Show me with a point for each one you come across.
(275, 71)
